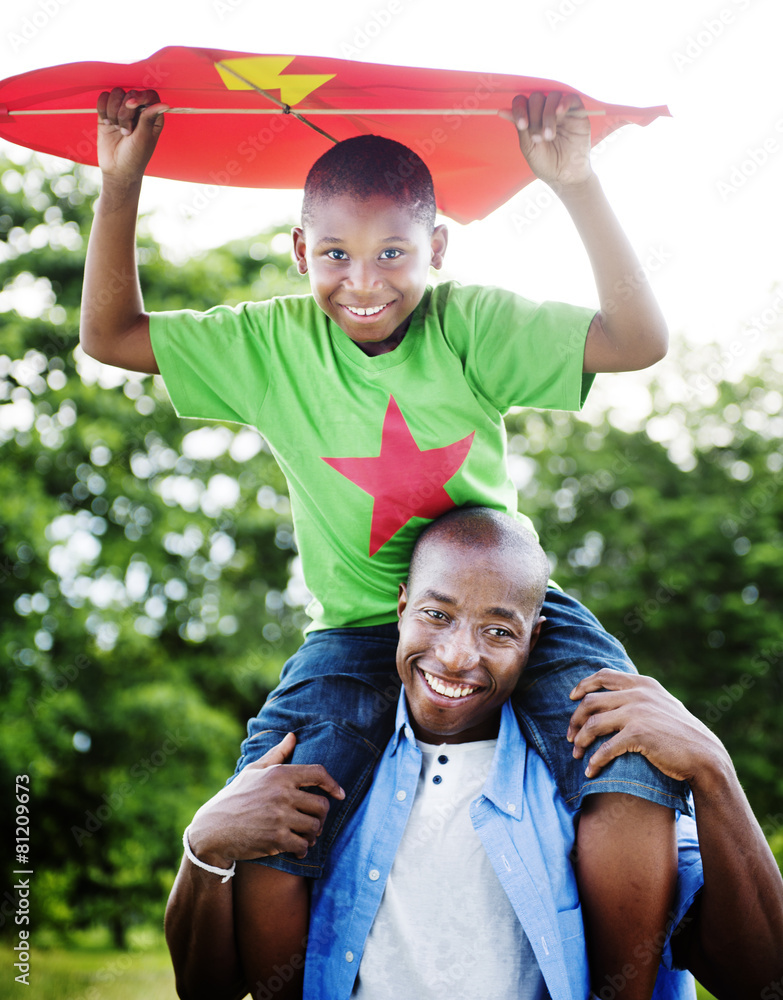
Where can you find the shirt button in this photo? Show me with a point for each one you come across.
(443, 759)
(512, 807)
(401, 795)
(437, 779)
(374, 874)
(349, 956)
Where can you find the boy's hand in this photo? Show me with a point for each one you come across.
(264, 811)
(554, 136)
(647, 720)
(128, 128)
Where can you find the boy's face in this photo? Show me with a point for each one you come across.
(368, 263)
(467, 625)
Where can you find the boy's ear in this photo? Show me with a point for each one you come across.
(439, 242)
(300, 249)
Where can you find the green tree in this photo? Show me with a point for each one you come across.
(148, 573)
(673, 536)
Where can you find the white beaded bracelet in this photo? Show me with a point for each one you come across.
(227, 873)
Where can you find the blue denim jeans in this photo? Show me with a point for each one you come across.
(338, 693)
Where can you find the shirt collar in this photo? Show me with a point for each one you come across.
(504, 786)
(402, 725)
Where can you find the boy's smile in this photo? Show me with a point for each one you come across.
(467, 625)
(368, 262)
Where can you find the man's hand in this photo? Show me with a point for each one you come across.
(731, 957)
(554, 136)
(225, 936)
(647, 720)
(128, 128)
(264, 811)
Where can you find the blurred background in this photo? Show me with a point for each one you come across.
(150, 588)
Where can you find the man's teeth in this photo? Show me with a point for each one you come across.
(366, 312)
(449, 690)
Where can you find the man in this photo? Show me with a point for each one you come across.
(454, 876)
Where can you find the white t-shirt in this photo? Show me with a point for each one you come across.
(445, 927)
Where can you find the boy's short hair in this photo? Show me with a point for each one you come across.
(369, 165)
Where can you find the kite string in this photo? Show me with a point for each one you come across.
(286, 108)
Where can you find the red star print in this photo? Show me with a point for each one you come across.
(405, 480)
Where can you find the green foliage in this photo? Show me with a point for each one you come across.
(147, 569)
(673, 536)
(150, 588)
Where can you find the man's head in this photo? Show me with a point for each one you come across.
(469, 616)
(368, 238)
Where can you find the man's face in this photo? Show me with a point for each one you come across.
(368, 263)
(467, 625)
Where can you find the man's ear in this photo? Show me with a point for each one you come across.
(438, 244)
(536, 632)
(402, 600)
(300, 248)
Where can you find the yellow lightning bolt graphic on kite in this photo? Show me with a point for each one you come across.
(265, 72)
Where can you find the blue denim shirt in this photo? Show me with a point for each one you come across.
(527, 832)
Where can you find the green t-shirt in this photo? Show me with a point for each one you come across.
(375, 447)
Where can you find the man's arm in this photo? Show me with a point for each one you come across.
(114, 327)
(226, 939)
(626, 869)
(264, 811)
(200, 934)
(629, 332)
(734, 944)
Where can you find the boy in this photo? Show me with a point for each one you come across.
(453, 879)
(382, 399)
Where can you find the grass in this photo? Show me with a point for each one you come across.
(90, 970)
(100, 973)
(79, 975)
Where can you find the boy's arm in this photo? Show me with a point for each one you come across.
(221, 936)
(114, 327)
(733, 944)
(629, 331)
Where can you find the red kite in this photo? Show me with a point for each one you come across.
(262, 120)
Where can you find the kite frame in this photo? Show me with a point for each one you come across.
(286, 109)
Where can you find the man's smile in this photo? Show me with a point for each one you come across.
(448, 690)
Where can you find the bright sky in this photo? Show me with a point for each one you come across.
(699, 194)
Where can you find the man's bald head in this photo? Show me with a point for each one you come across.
(484, 528)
